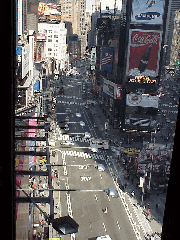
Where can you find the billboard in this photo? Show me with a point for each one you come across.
(18, 50)
(20, 15)
(93, 56)
(147, 12)
(135, 122)
(106, 59)
(40, 37)
(140, 100)
(112, 89)
(103, 23)
(143, 53)
(36, 87)
(25, 60)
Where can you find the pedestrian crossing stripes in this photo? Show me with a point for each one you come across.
(169, 111)
(64, 96)
(76, 139)
(84, 155)
(71, 103)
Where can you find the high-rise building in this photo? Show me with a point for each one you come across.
(74, 11)
(172, 7)
(55, 46)
(175, 46)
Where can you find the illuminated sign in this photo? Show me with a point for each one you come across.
(142, 79)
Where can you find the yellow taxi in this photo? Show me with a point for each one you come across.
(132, 151)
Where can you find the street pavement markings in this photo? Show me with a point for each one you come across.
(118, 225)
(85, 178)
(104, 227)
(89, 123)
(123, 200)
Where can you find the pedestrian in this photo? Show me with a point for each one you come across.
(133, 193)
(125, 185)
(148, 213)
(42, 223)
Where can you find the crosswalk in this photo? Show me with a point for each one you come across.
(75, 138)
(84, 155)
(72, 103)
(65, 96)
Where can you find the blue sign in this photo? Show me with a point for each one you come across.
(36, 87)
(18, 50)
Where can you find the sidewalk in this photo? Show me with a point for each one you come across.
(150, 226)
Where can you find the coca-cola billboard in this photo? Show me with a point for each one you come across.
(143, 53)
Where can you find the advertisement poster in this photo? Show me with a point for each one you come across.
(147, 12)
(143, 53)
(118, 91)
(140, 100)
(32, 133)
(112, 89)
(106, 59)
(25, 60)
(93, 56)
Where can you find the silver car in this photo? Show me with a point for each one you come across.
(87, 135)
(112, 192)
(101, 167)
(67, 143)
(82, 123)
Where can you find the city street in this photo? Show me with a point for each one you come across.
(86, 207)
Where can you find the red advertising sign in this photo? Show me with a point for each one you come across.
(143, 53)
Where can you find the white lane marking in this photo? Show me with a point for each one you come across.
(104, 227)
(82, 147)
(118, 225)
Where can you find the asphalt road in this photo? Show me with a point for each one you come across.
(87, 207)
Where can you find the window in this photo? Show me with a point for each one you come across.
(55, 36)
(50, 31)
(49, 40)
(49, 49)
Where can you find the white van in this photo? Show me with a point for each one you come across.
(103, 144)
